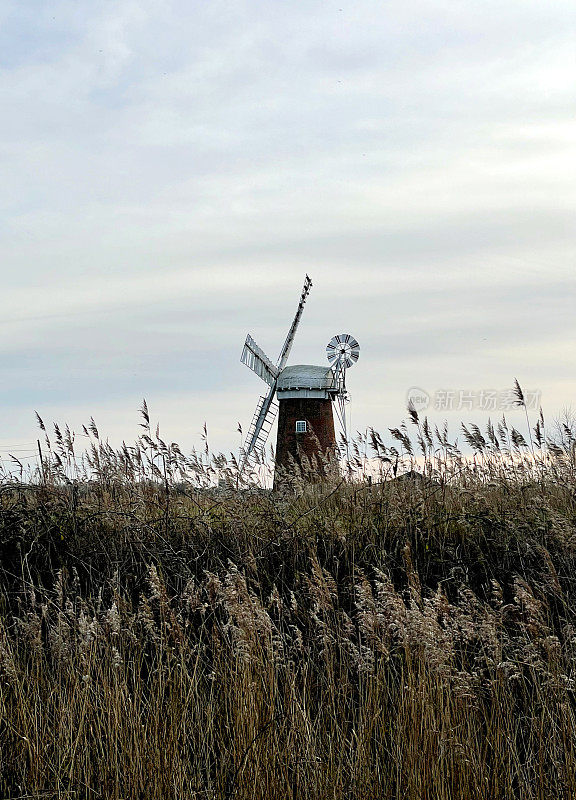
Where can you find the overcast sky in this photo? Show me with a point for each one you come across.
(170, 170)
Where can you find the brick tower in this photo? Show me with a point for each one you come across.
(305, 421)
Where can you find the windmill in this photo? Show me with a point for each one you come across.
(303, 396)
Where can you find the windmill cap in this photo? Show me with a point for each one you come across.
(305, 376)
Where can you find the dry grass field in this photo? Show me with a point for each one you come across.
(361, 638)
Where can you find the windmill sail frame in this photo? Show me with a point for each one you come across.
(257, 360)
(262, 422)
(287, 346)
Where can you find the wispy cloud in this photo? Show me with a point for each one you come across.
(170, 171)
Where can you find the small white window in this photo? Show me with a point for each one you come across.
(301, 426)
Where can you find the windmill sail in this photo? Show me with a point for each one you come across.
(287, 346)
(258, 361)
(262, 421)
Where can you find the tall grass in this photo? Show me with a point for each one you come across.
(362, 637)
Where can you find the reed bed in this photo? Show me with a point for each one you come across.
(377, 635)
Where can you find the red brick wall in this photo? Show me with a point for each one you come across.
(320, 436)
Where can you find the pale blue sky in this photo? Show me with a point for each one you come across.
(170, 171)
